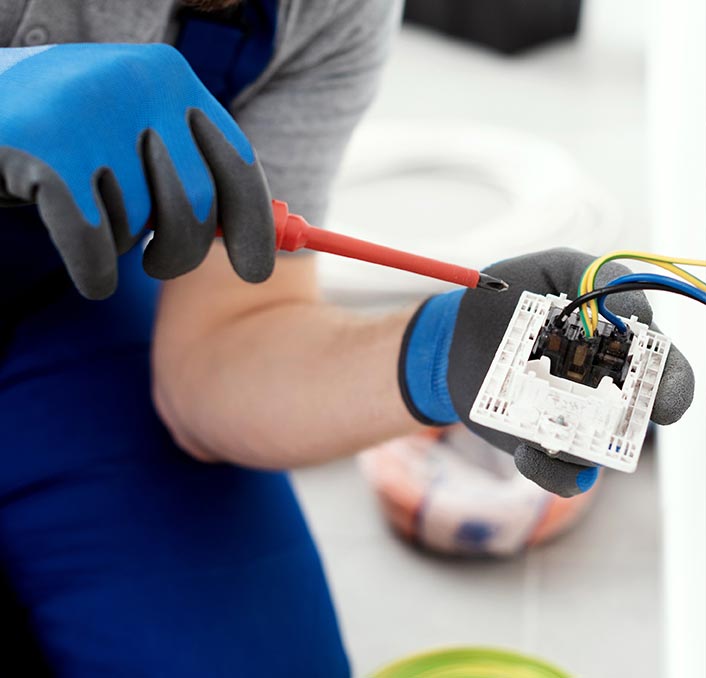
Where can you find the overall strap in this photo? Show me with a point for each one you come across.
(229, 49)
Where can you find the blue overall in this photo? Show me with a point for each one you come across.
(119, 554)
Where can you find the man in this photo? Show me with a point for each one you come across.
(128, 556)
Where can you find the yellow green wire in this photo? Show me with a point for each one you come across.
(587, 284)
(589, 311)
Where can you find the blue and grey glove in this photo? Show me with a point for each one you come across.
(452, 339)
(102, 137)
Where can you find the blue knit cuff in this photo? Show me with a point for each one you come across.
(426, 360)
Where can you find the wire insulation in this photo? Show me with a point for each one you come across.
(676, 285)
(625, 287)
(590, 309)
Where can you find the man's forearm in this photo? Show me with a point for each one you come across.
(291, 384)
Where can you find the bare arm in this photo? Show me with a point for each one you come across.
(268, 375)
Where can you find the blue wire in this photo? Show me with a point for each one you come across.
(690, 290)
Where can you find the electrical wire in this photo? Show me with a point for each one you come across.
(625, 287)
(588, 280)
(590, 311)
(676, 285)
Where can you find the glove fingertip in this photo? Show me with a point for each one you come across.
(586, 478)
(95, 287)
(253, 269)
(674, 398)
(558, 477)
(88, 252)
(244, 202)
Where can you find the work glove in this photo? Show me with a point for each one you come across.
(451, 341)
(102, 137)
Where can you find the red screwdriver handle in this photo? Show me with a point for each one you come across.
(294, 233)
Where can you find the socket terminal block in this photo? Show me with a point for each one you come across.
(588, 397)
(580, 359)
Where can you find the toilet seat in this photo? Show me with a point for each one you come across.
(467, 193)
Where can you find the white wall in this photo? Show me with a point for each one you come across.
(677, 156)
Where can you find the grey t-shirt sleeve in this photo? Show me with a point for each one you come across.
(323, 80)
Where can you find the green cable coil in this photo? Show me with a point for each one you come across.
(470, 663)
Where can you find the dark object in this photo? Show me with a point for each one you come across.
(585, 361)
(19, 648)
(488, 282)
(509, 26)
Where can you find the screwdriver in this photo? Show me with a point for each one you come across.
(293, 233)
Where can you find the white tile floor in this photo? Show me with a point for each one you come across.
(590, 601)
(586, 601)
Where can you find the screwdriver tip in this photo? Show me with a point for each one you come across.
(488, 282)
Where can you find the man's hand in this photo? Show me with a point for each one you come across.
(102, 137)
(452, 340)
